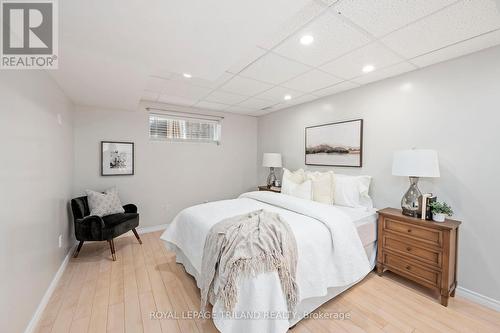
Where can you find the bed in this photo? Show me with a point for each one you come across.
(261, 306)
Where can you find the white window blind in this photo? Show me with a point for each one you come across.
(183, 128)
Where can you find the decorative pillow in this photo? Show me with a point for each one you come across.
(322, 186)
(352, 191)
(102, 204)
(290, 179)
(303, 190)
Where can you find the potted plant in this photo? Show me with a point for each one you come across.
(440, 210)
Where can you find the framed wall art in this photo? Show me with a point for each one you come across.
(336, 144)
(117, 158)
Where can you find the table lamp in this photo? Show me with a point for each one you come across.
(414, 163)
(271, 161)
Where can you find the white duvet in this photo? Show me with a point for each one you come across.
(330, 254)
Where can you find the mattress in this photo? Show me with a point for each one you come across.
(365, 221)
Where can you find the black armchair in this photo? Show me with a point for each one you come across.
(94, 228)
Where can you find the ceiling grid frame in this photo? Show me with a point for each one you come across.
(394, 37)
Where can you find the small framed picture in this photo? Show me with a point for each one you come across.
(117, 158)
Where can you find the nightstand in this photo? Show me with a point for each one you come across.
(270, 189)
(422, 251)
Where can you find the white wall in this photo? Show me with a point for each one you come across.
(453, 107)
(168, 176)
(36, 173)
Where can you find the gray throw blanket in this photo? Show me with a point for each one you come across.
(244, 246)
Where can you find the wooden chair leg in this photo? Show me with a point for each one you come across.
(137, 236)
(112, 247)
(78, 249)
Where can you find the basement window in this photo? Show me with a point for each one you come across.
(184, 128)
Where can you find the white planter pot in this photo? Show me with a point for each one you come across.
(438, 217)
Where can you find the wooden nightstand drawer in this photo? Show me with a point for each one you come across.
(405, 246)
(422, 251)
(428, 235)
(413, 270)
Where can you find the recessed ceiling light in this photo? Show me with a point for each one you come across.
(187, 75)
(306, 40)
(287, 97)
(368, 68)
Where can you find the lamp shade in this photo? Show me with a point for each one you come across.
(271, 160)
(415, 163)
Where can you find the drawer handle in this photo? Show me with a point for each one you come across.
(408, 249)
(408, 267)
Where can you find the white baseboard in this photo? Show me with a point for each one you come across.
(478, 298)
(46, 297)
(153, 228)
(53, 284)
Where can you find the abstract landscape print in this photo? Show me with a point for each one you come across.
(335, 144)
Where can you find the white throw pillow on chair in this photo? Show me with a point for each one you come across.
(102, 204)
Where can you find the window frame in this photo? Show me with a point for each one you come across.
(187, 117)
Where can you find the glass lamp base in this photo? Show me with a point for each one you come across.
(410, 203)
(271, 178)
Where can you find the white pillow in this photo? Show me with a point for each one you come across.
(102, 204)
(303, 190)
(290, 179)
(352, 191)
(322, 186)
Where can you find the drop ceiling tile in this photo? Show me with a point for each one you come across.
(275, 107)
(250, 56)
(258, 113)
(162, 74)
(302, 99)
(328, 2)
(150, 96)
(280, 106)
(256, 103)
(238, 109)
(460, 49)
(223, 97)
(244, 86)
(195, 81)
(278, 93)
(211, 106)
(273, 68)
(312, 80)
(351, 64)
(177, 100)
(155, 84)
(385, 73)
(184, 89)
(286, 104)
(463, 20)
(339, 87)
(332, 38)
(383, 16)
(308, 13)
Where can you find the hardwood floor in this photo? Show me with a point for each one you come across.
(96, 294)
